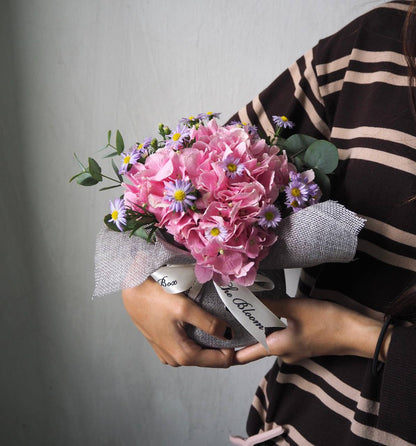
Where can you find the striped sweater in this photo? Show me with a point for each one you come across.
(352, 89)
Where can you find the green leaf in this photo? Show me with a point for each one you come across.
(322, 180)
(119, 142)
(299, 163)
(110, 155)
(109, 137)
(322, 155)
(79, 162)
(94, 169)
(75, 176)
(109, 187)
(140, 232)
(115, 168)
(110, 224)
(296, 143)
(85, 179)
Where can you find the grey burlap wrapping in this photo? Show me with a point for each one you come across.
(322, 233)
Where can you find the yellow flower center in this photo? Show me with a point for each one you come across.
(296, 192)
(176, 136)
(209, 113)
(215, 232)
(179, 195)
(294, 204)
(231, 167)
(221, 251)
(283, 118)
(114, 215)
(269, 216)
(191, 118)
(140, 146)
(126, 159)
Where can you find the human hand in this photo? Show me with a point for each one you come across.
(317, 328)
(161, 316)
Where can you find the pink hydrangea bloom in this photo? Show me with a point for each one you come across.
(221, 228)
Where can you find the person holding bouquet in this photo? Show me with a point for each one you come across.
(345, 373)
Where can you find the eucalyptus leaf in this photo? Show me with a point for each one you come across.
(299, 163)
(109, 137)
(322, 180)
(94, 169)
(297, 143)
(85, 179)
(322, 155)
(79, 162)
(116, 169)
(75, 176)
(119, 143)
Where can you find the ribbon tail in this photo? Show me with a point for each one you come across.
(252, 314)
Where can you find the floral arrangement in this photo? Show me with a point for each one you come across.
(220, 191)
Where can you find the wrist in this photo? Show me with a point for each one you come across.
(362, 334)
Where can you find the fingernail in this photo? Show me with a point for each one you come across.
(228, 334)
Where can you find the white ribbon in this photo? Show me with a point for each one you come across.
(250, 312)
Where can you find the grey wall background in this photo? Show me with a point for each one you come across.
(75, 371)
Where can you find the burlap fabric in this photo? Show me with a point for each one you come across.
(322, 233)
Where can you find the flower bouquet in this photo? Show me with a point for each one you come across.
(210, 199)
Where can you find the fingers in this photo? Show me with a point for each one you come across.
(250, 354)
(194, 355)
(279, 344)
(191, 313)
(284, 307)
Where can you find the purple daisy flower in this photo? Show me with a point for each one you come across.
(297, 192)
(189, 121)
(180, 194)
(283, 122)
(217, 232)
(314, 192)
(232, 166)
(250, 128)
(208, 115)
(118, 213)
(176, 138)
(270, 216)
(129, 159)
(145, 144)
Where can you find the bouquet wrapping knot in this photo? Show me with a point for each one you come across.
(218, 205)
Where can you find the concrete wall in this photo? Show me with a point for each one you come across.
(76, 371)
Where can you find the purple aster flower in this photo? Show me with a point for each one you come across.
(314, 192)
(145, 144)
(180, 194)
(283, 122)
(118, 213)
(217, 232)
(232, 166)
(208, 115)
(129, 159)
(250, 128)
(297, 193)
(176, 138)
(189, 121)
(270, 216)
